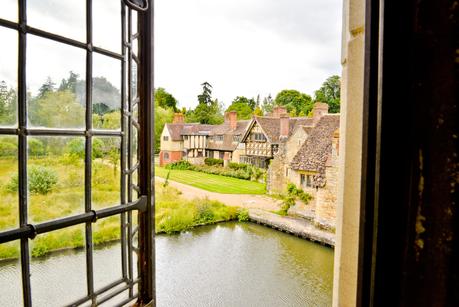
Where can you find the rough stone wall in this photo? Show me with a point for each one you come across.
(277, 182)
(325, 214)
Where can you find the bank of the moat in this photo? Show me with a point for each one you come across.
(261, 210)
(228, 264)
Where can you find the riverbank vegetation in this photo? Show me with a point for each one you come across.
(175, 214)
(212, 182)
(293, 193)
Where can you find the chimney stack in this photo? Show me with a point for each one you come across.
(231, 117)
(178, 118)
(284, 125)
(278, 111)
(319, 110)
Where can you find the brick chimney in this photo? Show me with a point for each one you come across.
(278, 110)
(319, 110)
(284, 125)
(178, 118)
(231, 117)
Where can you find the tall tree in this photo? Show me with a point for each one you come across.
(70, 83)
(7, 104)
(206, 114)
(206, 96)
(330, 93)
(267, 105)
(46, 87)
(297, 103)
(165, 99)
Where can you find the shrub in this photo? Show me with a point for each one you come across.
(180, 165)
(212, 161)
(292, 190)
(8, 147)
(243, 215)
(288, 202)
(76, 148)
(41, 180)
(205, 214)
(36, 148)
(238, 166)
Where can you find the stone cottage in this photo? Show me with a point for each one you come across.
(309, 159)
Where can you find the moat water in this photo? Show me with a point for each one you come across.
(230, 264)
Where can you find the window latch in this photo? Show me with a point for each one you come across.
(138, 5)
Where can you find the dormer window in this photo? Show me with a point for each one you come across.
(236, 138)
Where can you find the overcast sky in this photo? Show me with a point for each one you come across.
(241, 47)
(245, 47)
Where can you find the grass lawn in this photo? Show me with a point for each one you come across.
(213, 183)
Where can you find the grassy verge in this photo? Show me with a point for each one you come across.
(173, 213)
(213, 183)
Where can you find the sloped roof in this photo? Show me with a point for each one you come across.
(314, 153)
(228, 133)
(271, 126)
(177, 131)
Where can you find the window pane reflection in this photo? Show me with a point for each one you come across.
(8, 77)
(108, 21)
(9, 10)
(66, 18)
(9, 207)
(106, 238)
(55, 73)
(106, 172)
(55, 177)
(10, 271)
(58, 266)
(106, 95)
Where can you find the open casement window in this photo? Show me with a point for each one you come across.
(88, 125)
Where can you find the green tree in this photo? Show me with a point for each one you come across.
(296, 102)
(162, 116)
(7, 105)
(206, 96)
(267, 105)
(70, 83)
(242, 106)
(57, 110)
(258, 111)
(206, 114)
(329, 93)
(165, 99)
(47, 87)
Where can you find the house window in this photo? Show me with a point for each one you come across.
(165, 138)
(221, 154)
(219, 138)
(259, 137)
(185, 137)
(166, 156)
(306, 180)
(309, 181)
(286, 172)
(236, 138)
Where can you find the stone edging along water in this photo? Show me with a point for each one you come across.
(296, 226)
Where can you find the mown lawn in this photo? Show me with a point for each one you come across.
(213, 183)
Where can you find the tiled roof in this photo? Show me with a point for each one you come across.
(177, 131)
(271, 126)
(315, 152)
(225, 130)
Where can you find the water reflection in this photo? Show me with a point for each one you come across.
(225, 265)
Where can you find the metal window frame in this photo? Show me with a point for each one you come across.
(144, 204)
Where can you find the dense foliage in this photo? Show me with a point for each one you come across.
(41, 180)
(329, 93)
(212, 161)
(297, 103)
(165, 99)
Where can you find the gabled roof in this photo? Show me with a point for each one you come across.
(314, 153)
(228, 134)
(271, 126)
